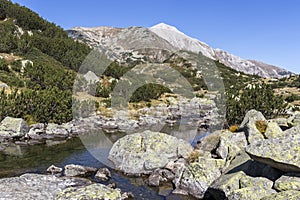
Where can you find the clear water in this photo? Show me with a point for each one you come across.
(38, 158)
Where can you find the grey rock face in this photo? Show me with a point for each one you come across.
(273, 130)
(240, 186)
(13, 127)
(141, 153)
(249, 126)
(289, 194)
(280, 153)
(292, 131)
(36, 186)
(57, 130)
(158, 176)
(93, 191)
(288, 182)
(196, 177)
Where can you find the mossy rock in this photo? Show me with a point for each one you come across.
(290, 195)
(197, 176)
(142, 153)
(273, 130)
(288, 182)
(280, 153)
(91, 192)
(250, 193)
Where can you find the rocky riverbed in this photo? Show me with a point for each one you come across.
(250, 163)
(200, 113)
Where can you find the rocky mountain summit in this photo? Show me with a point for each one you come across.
(169, 38)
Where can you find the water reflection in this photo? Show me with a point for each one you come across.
(38, 158)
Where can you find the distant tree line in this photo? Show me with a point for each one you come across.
(49, 105)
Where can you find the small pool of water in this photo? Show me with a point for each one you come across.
(38, 158)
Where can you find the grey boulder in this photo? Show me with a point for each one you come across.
(13, 127)
(142, 153)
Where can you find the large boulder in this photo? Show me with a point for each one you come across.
(249, 126)
(36, 131)
(230, 145)
(243, 162)
(93, 191)
(284, 123)
(225, 185)
(54, 170)
(36, 186)
(280, 153)
(142, 153)
(196, 177)
(13, 127)
(238, 185)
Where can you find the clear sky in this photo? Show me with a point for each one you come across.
(265, 30)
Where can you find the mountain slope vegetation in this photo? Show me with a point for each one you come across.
(39, 62)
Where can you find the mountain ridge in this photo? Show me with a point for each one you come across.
(181, 41)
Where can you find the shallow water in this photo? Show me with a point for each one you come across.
(38, 158)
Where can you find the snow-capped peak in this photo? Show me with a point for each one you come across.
(182, 41)
(165, 27)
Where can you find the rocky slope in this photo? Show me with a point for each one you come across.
(171, 39)
(182, 41)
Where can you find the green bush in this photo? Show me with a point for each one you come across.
(292, 98)
(3, 65)
(148, 92)
(16, 66)
(8, 40)
(50, 105)
(115, 70)
(260, 97)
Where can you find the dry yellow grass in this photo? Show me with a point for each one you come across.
(286, 91)
(233, 128)
(193, 156)
(10, 57)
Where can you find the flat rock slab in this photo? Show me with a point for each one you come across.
(93, 191)
(36, 186)
(280, 153)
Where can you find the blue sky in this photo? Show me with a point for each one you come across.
(265, 30)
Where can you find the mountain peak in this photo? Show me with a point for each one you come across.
(165, 26)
